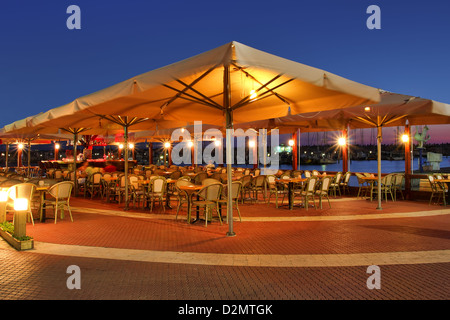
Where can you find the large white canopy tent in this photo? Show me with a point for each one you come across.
(230, 84)
(393, 110)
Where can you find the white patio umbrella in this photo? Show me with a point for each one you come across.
(393, 110)
(231, 84)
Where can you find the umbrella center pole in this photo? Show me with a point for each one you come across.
(125, 136)
(229, 128)
(379, 138)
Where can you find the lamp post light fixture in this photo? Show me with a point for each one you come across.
(20, 217)
(166, 150)
(405, 138)
(342, 141)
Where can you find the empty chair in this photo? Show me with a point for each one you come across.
(276, 189)
(58, 174)
(235, 193)
(258, 184)
(246, 184)
(137, 190)
(175, 175)
(60, 198)
(345, 181)
(182, 195)
(209, 197)
(93, 184)
(296, 173)
(307, 173)
(323, 190)
(436, 189)
(309, 191)
(336, 183)
(397, 185)
(386, 187)
(199, 177)
(157, 191)
(363, 185)
(209, 181)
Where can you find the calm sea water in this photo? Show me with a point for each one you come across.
(370, 166)
(387, 166)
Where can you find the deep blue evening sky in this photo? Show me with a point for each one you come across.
(44, 64)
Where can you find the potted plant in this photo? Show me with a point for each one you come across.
(19, 243)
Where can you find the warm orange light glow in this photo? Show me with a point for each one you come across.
(120, 146)
(130, 146)
(251, 143)
(57, 146)
(20, 146)
(367, 109)
(217, 143)
(342, 141)
(253, 94)
(405, 138)
(190, 144)
(167, 145)
(20, 204)
(3, 196)
(291, 142)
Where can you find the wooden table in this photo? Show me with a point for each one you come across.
(290, 182)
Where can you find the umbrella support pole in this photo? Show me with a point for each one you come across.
(125, 137)
(379, 137)
(229, 129)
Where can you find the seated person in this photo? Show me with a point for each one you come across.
(82, 172)
(109, 167)
(210, 166)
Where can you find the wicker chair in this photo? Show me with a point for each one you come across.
(60, 194)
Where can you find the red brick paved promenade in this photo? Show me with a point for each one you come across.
(277, 254)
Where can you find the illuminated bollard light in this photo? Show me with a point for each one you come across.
(20, 217)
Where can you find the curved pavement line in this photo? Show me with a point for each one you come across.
(245, 260)
(128, 214)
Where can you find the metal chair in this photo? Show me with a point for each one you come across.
(437, 189)
(246, 184)
(323, 190)
(93, 184)
(258, 184)
(335, 184)
(397, 185)
(60, 192)
(157, 191)
(182, 195)
(209, 197)
(345, 181)
(309, 191)
(275, 188)
(386, 187)
(235, 193)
